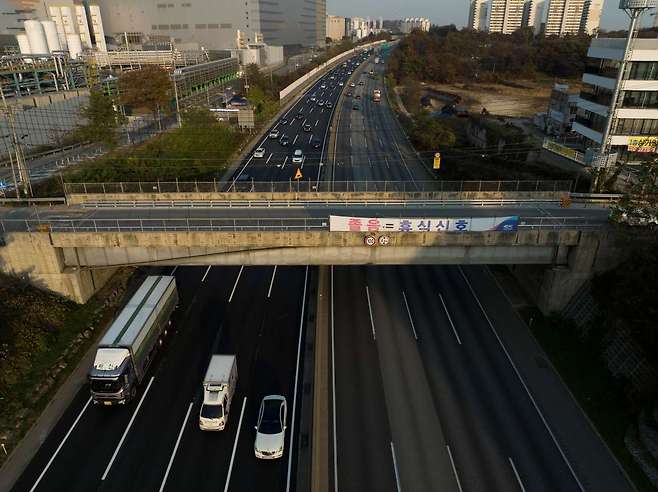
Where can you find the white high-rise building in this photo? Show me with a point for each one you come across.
(412, 23)
(477, 15)
(508, 16)
(573, 17)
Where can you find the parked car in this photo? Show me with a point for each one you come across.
(271, 428)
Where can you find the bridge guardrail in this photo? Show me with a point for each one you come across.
(192, 224)
(311, 186)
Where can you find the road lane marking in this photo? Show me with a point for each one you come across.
(61, 444)
(294, 398)
(296, 137)
(395, 468)
(269, 292)
(268, 159)
(125, 433)
(235, 445)
(454, 330)
(387, 164)
(372, 321)
(206, 274)
(454, 468)
(243, 168)
(173, 454)
(525, 386)
(284, 162)
(369, 161)
(310, 138)
(237, 279)
(413, 327)
(516, 474)
(174, 270)
(316, 123)
(333, 383)
(350, 141)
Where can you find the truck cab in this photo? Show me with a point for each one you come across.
(112, 378)
(215, 408)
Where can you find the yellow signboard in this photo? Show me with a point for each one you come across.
(642, 144)
(437, 161)
(298, 174)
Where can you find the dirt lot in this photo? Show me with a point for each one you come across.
(518, 98)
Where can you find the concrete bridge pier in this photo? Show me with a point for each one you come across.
(33, 257)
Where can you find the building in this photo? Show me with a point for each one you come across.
(335, 27)
(508, 16)
(214, 24)
(14, 12)
(573, 17)
(411, 23)
(477, 15)
(634, 132)
(562, 108)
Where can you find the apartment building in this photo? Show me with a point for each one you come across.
(507, 16)
(634, 133)
(335, 27)
(477, 15)
(411, 23)
(573, 17)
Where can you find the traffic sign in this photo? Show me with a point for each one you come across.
(437, 160)
(298, 174)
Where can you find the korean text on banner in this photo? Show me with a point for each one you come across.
(339, 223)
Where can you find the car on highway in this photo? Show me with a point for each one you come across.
(329, 105)
(313, 98)
(349, 94)
(284, 140)
(355, 106)
(271, 428)
(358, 96)
(298, 156)
(316, 143)
(275, 134)
(307, 127)
(360, 82)
(323, 86)
(283, 121)
(259, 153)
(352, 84)
(299, 116)
(320, 103)
(341, 83)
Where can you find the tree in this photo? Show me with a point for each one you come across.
(149, 87)
(101, 120)
(430, 134)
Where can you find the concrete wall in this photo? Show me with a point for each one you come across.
(33, 256)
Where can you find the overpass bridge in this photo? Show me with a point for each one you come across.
(71, 249)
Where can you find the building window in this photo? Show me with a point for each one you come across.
(226, 26)
(596, 94)
(643, 71)
(199, 26)
(163, 27)
(640, 99)
(630, 126)
(213, 26)
(154, 28)
(174, 26)
(591, 120)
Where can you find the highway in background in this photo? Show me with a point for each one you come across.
(427, 395)
(155, 444)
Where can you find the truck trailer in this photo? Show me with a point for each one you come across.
(129, 346)
(218, 389)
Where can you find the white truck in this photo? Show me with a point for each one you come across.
(376, 60)
(218, 390)
(376, 95)
(129, 346)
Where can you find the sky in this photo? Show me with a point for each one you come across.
(443, 12)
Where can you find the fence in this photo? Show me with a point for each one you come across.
(564, 151)
(191, 224)
(313, 186)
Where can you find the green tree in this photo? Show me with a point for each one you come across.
(101, 120)
(430, 134)
(149, 87)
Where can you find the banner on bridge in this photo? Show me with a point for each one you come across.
(339, 223)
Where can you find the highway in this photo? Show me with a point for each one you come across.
(257, 313)
(427, 394)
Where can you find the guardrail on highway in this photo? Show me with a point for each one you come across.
(240, 225)
(310, 186)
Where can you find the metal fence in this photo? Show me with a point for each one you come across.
(313, 186)
(240, 224)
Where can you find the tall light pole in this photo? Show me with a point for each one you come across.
(634, 9)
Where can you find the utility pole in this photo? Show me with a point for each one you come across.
(11, 159)
(23, 171)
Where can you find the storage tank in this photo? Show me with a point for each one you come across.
(37, 37)
(75, 45)
(23, 44)
(52, 38)
(68, 22)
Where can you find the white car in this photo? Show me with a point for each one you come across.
(274, 134)
(271, 428)
(298, 157)
(341, 84)
(352, 84)
(260, 152)
(323, 86)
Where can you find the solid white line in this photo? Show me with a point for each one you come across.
(296, 137)
(525, 386)
(284, 162)
(454, 469)
(516, 474)
(454, 330)
(413, 327)
(372, 322)
(269, 292)
(174, 270)
(235, 445)
(237, 279)
(395, 468)
(243, 168)
(206, 274)
(310, 138)
(316, 123)
(268, 159)
(333, 382)
(294, 398)
(125, 433)
(61, 444)
(173, 454)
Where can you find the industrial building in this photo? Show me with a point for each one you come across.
(220, 24)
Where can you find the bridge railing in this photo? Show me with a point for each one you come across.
(125, 187)
(192, 224)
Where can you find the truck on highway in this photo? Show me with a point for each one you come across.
(376, 60)
(377, 95)
(218, 389)
(129, 346)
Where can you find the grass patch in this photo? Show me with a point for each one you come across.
(43, 339)
(598, 393)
